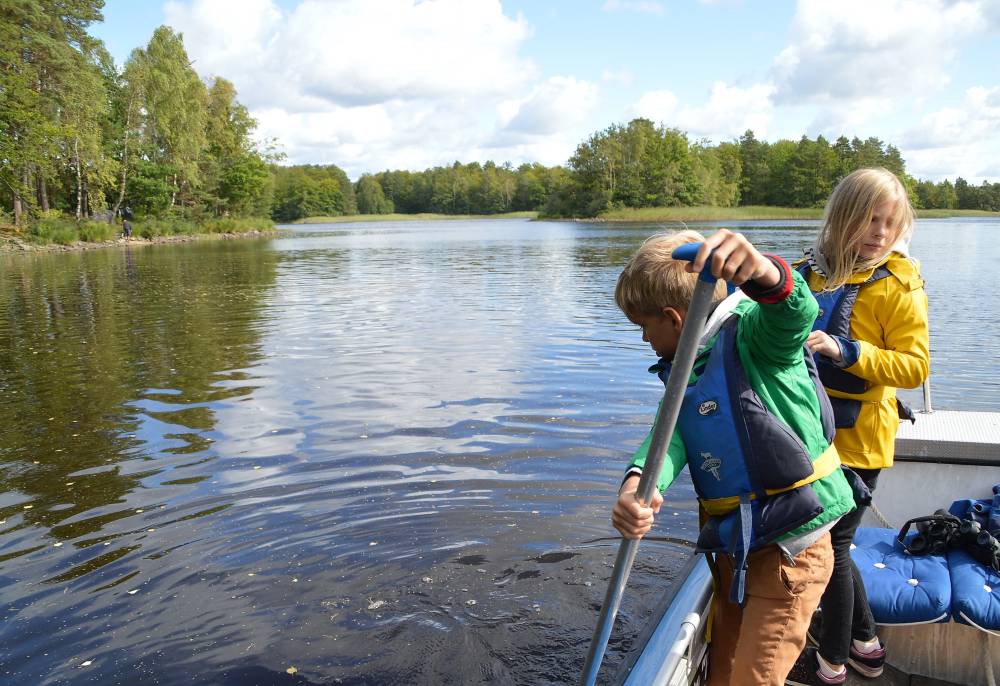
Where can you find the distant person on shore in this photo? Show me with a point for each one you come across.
(126, 222)
(870, 338)
(754, 431)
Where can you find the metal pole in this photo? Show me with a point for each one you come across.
(663, 429)
(927, 396)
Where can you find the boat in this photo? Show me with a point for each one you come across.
(943, 457)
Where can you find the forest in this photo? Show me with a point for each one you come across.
(82, 137)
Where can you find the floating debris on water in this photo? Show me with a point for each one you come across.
(470, 602)
(291, 670)
(86, 663)
(375, 604)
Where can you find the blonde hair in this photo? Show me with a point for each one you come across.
(848, 214)
(652, 279)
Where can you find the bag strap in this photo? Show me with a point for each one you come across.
(951, 519)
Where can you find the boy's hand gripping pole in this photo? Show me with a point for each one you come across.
(663, 430)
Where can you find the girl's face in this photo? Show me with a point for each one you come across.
(880, 234)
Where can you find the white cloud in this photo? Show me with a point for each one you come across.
(557, 103)
(367, 84)
(618, 77)
(357, 51)
(657, 106)
(644, 6)
(729, 112)
(976, 121)
(965, 138)
(858, 49)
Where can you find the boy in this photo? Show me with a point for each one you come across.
(756, 436)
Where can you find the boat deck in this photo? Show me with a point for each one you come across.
(956, 437)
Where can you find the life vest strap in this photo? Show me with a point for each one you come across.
(826, 464)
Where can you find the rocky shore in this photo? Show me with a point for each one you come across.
(10, 243)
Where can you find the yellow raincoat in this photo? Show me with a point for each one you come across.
(889, 321)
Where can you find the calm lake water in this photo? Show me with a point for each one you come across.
(380, 453)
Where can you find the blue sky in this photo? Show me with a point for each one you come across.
(402, 84)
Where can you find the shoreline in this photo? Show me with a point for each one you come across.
(641, 215)
(13, 245)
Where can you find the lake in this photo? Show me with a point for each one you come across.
(373, 453)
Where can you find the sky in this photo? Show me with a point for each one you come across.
(371, 85)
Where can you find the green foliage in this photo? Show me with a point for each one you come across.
(166, 226)
(637, 165)
(79, 135)
(236, 225)
(371, 198)
(984, 197)
(52, 227)
(95, 232)
(309, 190)
(174, 106)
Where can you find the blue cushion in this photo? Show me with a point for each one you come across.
(975, 591)
(902, 588)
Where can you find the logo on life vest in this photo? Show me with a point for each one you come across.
(707, 407)
(821, 313)
(711, 464)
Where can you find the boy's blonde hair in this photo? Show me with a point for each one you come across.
(652, 279)
(848, 214)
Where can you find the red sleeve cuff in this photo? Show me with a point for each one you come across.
(776, 293)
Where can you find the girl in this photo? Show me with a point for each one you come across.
(869, 339)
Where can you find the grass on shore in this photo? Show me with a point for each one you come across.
(644, 215)
(53, 228)
(944, 214)
(410, 217)
(708, 213)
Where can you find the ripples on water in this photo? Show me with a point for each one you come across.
(376, 453)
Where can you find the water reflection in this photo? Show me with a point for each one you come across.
(377, 453)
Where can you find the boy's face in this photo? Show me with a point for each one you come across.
(662, 331)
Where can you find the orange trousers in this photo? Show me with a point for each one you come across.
(757, 644)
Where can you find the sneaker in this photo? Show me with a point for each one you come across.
(806, 672)
(868, 664)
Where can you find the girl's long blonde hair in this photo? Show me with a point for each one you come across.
(848, 214)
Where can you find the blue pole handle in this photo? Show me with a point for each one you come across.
(688, 252)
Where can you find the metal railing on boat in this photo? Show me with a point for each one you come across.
(675, 637)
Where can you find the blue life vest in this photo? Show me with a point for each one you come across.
(750, 470)
(835, 308)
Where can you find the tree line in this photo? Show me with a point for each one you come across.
(634, 165)
(83, 136)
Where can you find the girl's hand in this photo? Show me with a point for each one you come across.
(630, 515)
(735, 259)
(820, 342)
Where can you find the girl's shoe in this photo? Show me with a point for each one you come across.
(868, 664)
(806, 672)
